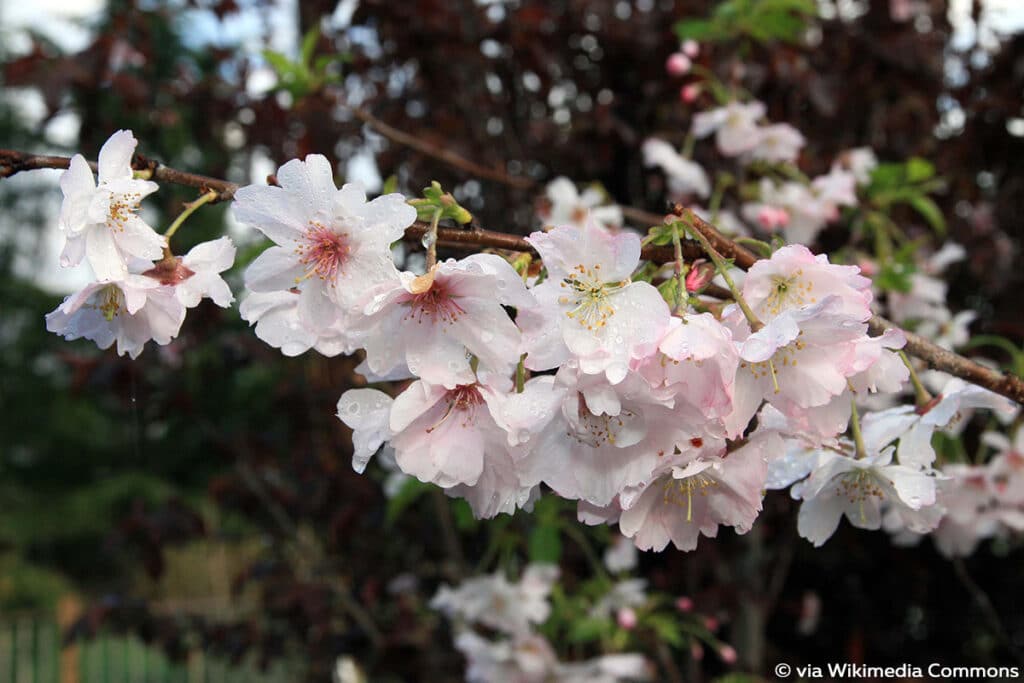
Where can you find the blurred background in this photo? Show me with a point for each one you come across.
(193, 515)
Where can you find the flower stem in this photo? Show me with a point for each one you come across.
(921, 395)
(431, 239)
(723, 268)
(190, 208)
(521, 374)
(858, 437)
(681, 293)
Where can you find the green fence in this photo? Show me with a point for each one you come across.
(30, 652)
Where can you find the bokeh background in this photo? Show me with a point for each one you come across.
(197, 507)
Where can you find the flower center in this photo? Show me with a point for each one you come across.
(323, 252)
(858, 487)
(110, 302)
(589, 297)
(435, 303)
(680, 491)
(597, 430)
(789, 292)
(122, 208)
(463, 399)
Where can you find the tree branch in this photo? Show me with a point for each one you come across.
(938, 358)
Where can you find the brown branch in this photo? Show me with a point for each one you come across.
(445, 155)
(938, 358)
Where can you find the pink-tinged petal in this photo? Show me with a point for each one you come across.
(277, 322)
(439, 357)
(138, 239)
(216, 255)
(78, 185)
(274, 269)
(367, 413)
(819, 518)
(163, 315)
(386, 219)
(915, 446)
(115, 160)
(73, 252)
(311, 179)
(413, 403)
(103, 255)
(281, 215)
(317, 311)
(915, 488)
(489, 334)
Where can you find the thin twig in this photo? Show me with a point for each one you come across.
(447, 156)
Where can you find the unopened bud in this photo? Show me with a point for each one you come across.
(701, 274)
(678, 64)
(683, 603)
(626, 618)
(690, 92)
(728, 654)
(772, 217)
(691, 48)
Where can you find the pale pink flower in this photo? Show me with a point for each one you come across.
(858, 488)
(279, 324)
(836, 187)
(528, 658)
(332, 245)
(734, 125)
(432, 323)
(494, 601)
(626, 618)
(608, 437)
(860, 161)
(367, 412)
(690, 48)
(601, 316)
(914, 427)
(201, 270)
(779, 142)
(698, 363)
(795, 278)
(130, 312)
(685, 176)
(800, 359)
(100, 220)
(693, 497)
(771, 218)
(567, 206)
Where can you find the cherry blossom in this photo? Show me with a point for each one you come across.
(278, 323)
(432, 323)
(494, 601)
(100, 219)
(567, 206)
(683, 500)
(734, 125)
(130, 312)
(604, 319)
(331, 244)
(858, 488)
(777, 143)
(197, 274)
(685, 176)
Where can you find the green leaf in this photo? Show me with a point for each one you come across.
(919, 170)
(666, 628)
(282, 66)
(545, 545)
(589, 629)
(390, 184)
(696, 29)
(309, 45)
(930, 211)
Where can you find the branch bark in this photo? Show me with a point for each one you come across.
(938, 358)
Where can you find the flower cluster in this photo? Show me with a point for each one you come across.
(141, 289)
(576, 378)
(513, 610)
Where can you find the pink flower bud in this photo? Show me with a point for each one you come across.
(678, 64)
(690, 92)
(690, 48)
(728, 654)
(696, 651)
(683, 603)
(700, 275)
(772, 217)
(626, 618)
(711, 624)
(868, 267)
